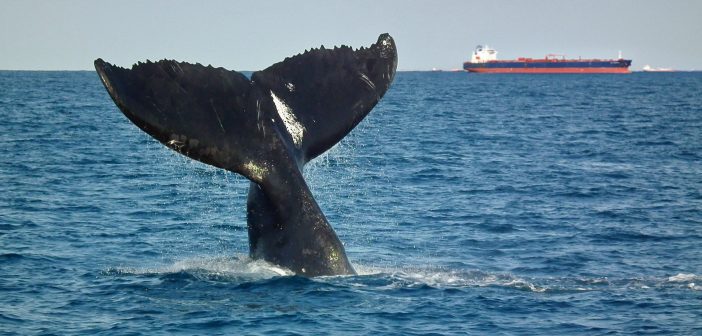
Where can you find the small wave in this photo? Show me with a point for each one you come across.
(7, 227)
(10, 318)
(11, 256)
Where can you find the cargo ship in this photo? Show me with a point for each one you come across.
(484, 60)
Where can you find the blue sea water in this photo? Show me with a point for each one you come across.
(469, 204)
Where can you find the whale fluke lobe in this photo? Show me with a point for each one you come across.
(198, 111)
(266, 129)
(331, 90)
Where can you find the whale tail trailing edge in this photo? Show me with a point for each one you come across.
(266, 129)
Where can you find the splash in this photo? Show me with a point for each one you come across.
(214, 267)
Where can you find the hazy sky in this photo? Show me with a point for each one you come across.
(251, 35)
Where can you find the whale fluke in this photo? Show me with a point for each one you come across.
(266, 129)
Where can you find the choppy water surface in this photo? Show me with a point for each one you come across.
(469, 204)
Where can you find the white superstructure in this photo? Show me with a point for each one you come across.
(483, 54)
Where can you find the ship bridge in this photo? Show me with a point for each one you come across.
(483, 54)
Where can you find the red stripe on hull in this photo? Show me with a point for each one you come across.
(552, 70)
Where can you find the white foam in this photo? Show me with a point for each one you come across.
(294, 127)
(690, 279)
(449, 279)
(229, 267)
(243, 268)
(682, 277)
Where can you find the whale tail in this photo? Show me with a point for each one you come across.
(266, 129)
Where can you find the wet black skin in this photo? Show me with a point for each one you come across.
(222, 118)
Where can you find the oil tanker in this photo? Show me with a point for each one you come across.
(484, 60)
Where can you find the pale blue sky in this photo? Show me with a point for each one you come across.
(251, 35)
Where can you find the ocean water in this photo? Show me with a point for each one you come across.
(469, 204)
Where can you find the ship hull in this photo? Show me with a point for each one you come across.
(551, 66)
(552, 70)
